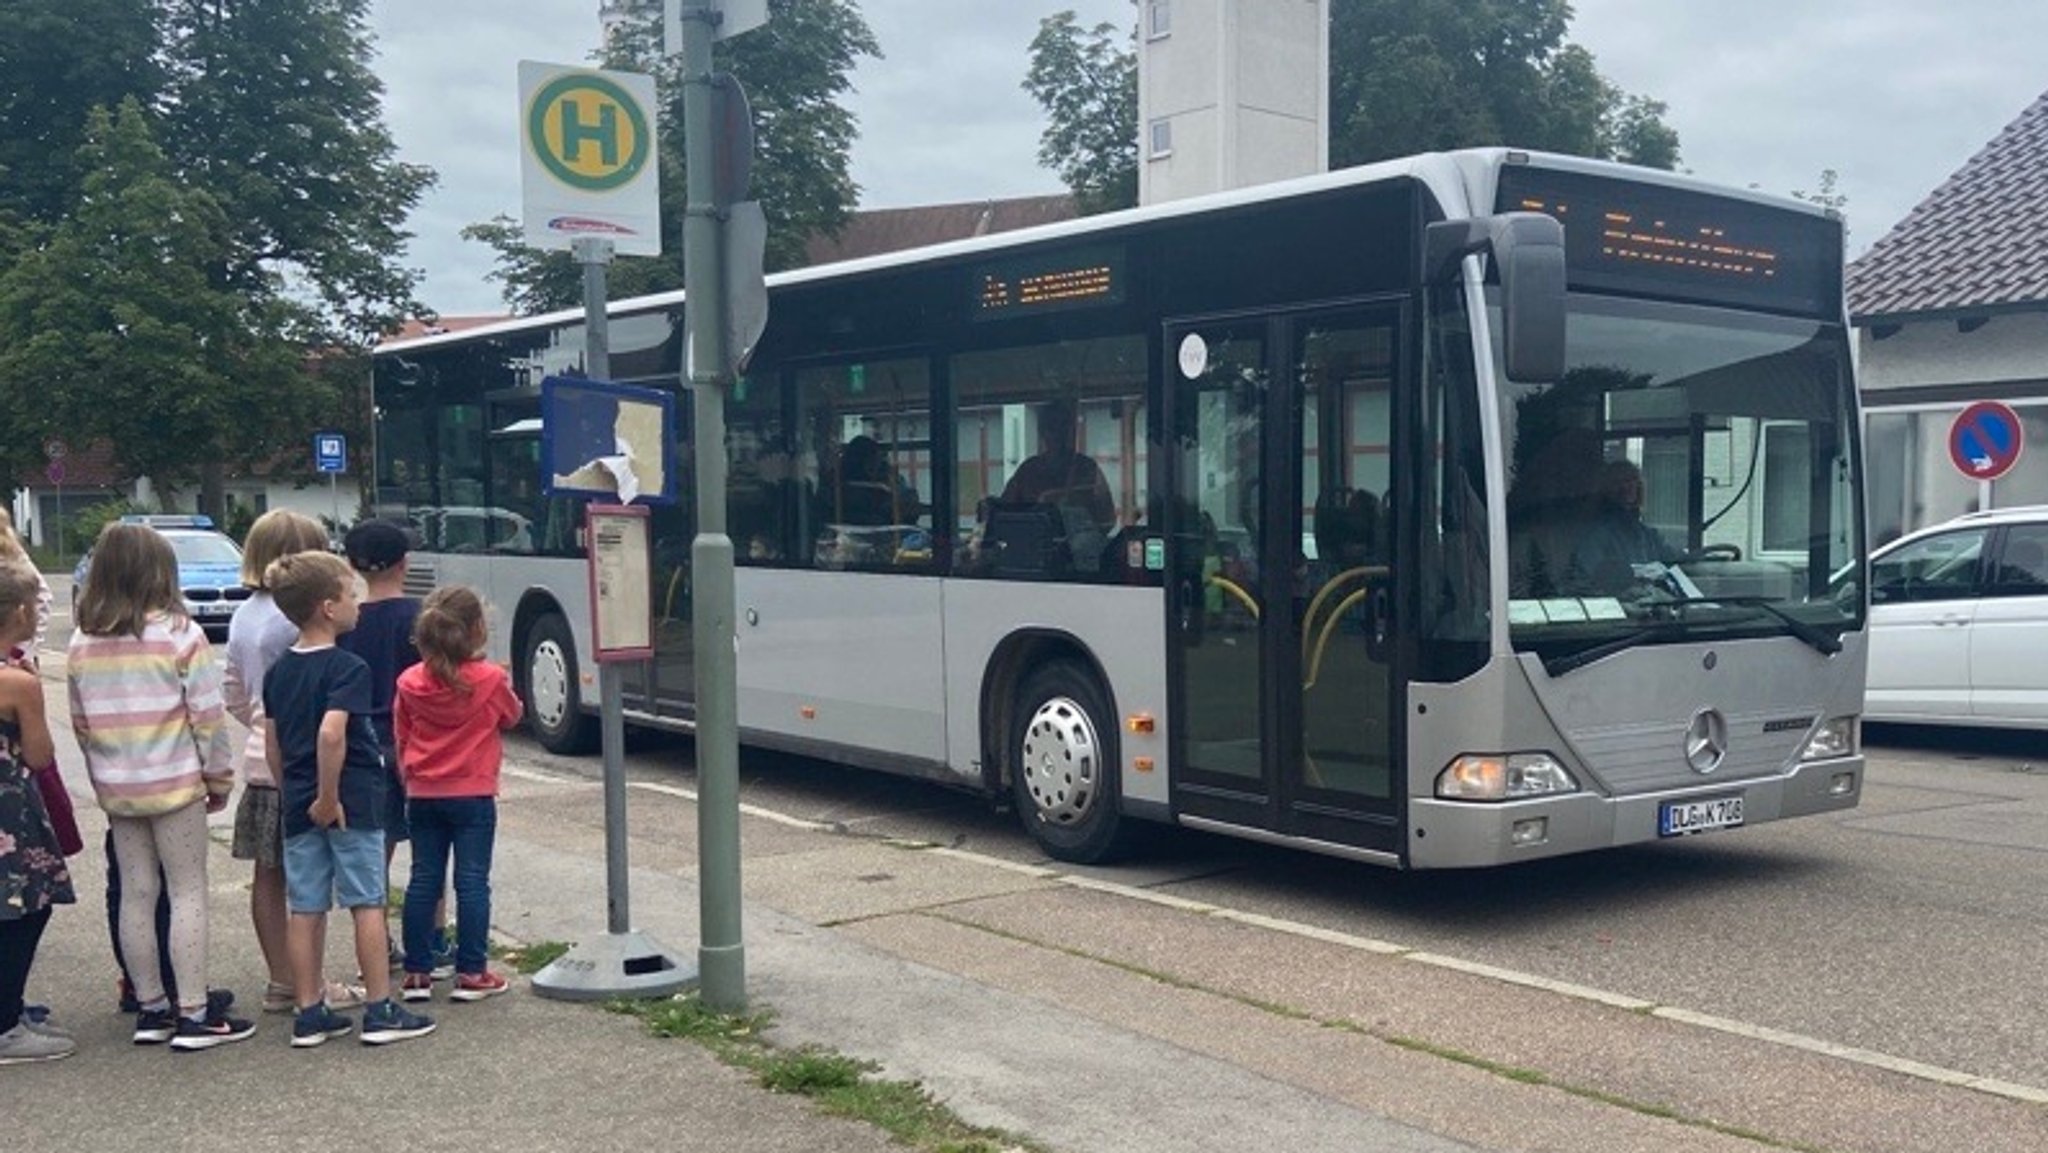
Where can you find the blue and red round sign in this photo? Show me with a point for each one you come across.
(1985, 440)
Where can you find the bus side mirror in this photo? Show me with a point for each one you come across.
(1528, 250)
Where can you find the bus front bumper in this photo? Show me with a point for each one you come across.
(1463, 834)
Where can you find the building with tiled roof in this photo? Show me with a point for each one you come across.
(1951, 307)
(878, 230)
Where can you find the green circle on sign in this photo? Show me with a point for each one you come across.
(588, 132)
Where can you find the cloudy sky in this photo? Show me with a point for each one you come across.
(1892, 94)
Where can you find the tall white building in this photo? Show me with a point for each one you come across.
(1230, 93)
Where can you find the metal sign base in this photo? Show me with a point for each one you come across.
(615, 965)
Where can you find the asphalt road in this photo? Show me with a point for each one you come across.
(1915, 925)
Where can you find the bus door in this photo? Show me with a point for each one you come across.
(1282, 605)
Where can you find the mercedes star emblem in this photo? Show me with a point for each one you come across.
(1706, 740)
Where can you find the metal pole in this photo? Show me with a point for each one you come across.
(595, 254)
(721, 953)
(334, 498)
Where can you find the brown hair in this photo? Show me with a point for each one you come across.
(278, 533)
(448, 633)
(20, 584)
(133, 574)
(301, 582)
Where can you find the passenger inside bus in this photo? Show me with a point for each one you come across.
(869, 490)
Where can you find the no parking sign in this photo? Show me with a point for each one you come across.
(1985, 440)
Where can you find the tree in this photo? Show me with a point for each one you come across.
(122, 335)
(1406, 76)
(1088, 85)
(62, 58)
(797, 69)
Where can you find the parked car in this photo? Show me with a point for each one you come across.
(1959, 623)
(209, 570)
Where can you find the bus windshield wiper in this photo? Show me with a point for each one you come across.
(1819, 639)
(1559, 666)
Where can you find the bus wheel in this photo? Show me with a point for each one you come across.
(554, 704)
(1064, 765)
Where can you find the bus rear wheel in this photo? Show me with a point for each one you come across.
(553, 698)
(1063, 759)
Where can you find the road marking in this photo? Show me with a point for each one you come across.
(1919, 1070)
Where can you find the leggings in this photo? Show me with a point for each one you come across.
(163, 923)
(18, 940)
(158, 854)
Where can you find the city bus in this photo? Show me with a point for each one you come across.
(1454, 511)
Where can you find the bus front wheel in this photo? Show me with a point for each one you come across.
(554, 701)
(1063, 747)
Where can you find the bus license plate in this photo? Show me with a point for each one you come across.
(1677, 818)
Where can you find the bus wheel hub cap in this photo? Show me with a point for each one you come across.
(548, 681)
(1060, 761)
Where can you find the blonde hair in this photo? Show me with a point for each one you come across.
(20, 585)
(10, 544)
(133, 575)
(278, 533)
(301, 582)
(448, 632)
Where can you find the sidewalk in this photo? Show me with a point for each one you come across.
(520, 1072)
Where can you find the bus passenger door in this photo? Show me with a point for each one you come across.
(1281, 600)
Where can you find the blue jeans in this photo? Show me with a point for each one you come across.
(469, 827)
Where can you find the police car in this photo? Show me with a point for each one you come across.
(209, 570)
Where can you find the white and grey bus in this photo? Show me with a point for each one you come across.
(1452, 511)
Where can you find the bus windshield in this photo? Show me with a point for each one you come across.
(1691, 476)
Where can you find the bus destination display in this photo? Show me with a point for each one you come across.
(1622, 236)
(1048, 283)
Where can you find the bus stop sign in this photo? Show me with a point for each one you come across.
(1985, 440)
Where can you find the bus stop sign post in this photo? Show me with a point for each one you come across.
(622, 963)
(721, 951)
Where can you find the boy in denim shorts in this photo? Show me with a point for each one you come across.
(323, 753)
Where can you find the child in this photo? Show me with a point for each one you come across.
(383, 638)
(145, 703)
(33, 879)
(257, 636)
(323, 753)
(451, 708)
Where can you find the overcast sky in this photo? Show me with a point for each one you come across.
(1892, 94)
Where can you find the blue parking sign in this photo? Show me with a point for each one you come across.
(330, 452)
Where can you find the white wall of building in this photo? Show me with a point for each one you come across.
(1243, 86)
(1937, 353)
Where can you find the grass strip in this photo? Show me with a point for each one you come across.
(837, 1084)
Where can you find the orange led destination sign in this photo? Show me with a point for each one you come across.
(1034, 284)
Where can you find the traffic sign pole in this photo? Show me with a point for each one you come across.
(721, 951)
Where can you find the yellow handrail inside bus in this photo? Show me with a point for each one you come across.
(668, 603)
(1308, 622)
(1234, 589)
(1315, 667)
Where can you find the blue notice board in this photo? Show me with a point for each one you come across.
(606, 441)
(330, 452)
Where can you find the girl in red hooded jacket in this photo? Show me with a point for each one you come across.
(447, 717)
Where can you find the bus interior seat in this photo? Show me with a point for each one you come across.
(1026, 539)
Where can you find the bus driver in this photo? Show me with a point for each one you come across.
(1060, 476)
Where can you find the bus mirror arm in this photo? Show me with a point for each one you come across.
(1528, 251)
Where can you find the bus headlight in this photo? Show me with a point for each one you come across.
(1504, 778)
(1835, 738)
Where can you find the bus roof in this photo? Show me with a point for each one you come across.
(1466, 174)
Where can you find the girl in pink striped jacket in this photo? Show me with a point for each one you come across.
(146, 705)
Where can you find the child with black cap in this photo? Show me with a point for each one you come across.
(377, 550)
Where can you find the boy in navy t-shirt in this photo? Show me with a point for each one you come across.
(323, 754)
(376, 549)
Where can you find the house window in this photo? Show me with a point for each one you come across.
(1161, 137)
(1158, 19)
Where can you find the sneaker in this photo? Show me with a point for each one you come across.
(477, 986)
(385, 1022)
(36, 1019)
(315, 1025)
(342, 995)
(21, 1045)
(444, 955)
(218, 1002)
(214, 1030)
(155, 1026)
(417, 987)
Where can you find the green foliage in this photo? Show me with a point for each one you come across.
(60, 59)
(1406, 76)
(82, 528)
(797, 70)
(1088, 86)
(1827, 192)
